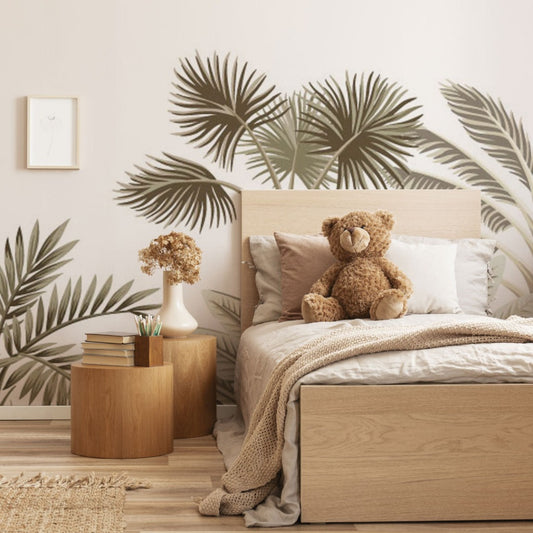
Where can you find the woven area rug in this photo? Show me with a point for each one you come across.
(64, 504)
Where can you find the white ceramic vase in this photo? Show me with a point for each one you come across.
(176, 320)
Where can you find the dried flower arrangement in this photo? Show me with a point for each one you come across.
(175, 253)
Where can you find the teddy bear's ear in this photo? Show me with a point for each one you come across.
(328, 224)
(387, 218)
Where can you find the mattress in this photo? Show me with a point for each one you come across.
(264, 345)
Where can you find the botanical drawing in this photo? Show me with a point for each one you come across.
(33, 308)
(359, 133)
(504, 139)
(329, 134)
(227, 310)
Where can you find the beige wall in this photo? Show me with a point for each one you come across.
(118, 57)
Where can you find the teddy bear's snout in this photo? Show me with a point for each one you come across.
(354, 239)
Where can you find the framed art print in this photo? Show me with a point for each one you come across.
(52, 136)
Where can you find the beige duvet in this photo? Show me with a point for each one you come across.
(433, 348)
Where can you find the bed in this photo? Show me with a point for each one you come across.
(461, 449)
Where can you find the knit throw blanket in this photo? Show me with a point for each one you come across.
(256, 470)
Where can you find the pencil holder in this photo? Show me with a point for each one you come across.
(148, 350)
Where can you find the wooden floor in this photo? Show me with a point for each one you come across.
(178, 479)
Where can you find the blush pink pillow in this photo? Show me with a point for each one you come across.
(304, 258)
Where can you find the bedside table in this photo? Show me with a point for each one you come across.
(121, 412)
(194, 359)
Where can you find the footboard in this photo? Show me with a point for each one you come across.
(416, 452)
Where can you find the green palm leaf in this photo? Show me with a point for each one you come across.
(494, 219)
(464, 166)
(118, 295)
(289, 147)
(175, 190)
(94, 303)
(19, 253)
(32, 245)
(216, 103)
(35, 363)
(27, 273)
(88, 297)
(27, 317)
(367, 126)
(4, 289)
(419, 180)
(34, 382)
(9, 264)
(489, 124)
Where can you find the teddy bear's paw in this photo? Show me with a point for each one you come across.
(390, 304)
(317, 308)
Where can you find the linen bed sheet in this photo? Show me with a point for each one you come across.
(264, 345)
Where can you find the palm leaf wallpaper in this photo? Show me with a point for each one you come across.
(359, 133)
(33, 308)
(362, 131)
(367, 127)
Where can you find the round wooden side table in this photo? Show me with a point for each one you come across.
(194, 359)
(121, 412)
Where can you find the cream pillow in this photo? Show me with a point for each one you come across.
(471, 269)
(431, 269)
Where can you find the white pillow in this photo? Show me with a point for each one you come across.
(431, 269)
(471, 269)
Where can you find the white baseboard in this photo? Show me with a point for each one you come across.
(35, 412)
(62, 412)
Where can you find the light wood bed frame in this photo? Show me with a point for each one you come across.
(402, 452)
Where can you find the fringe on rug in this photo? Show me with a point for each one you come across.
(115, 480)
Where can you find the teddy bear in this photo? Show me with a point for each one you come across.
(362, 283)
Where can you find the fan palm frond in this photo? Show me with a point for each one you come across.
(488, 123)
(215, 103)
(289, 147)
(368, 127)
(175, 190)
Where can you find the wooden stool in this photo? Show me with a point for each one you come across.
(121, 412)
(194, 359)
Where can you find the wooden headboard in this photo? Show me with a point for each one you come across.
(452, 214)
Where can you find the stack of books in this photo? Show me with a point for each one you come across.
(109, 348)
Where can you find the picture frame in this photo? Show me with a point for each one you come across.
(52, 132)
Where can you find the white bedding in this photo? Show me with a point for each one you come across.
(264, 345)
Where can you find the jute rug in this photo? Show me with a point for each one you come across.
(64, 504)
